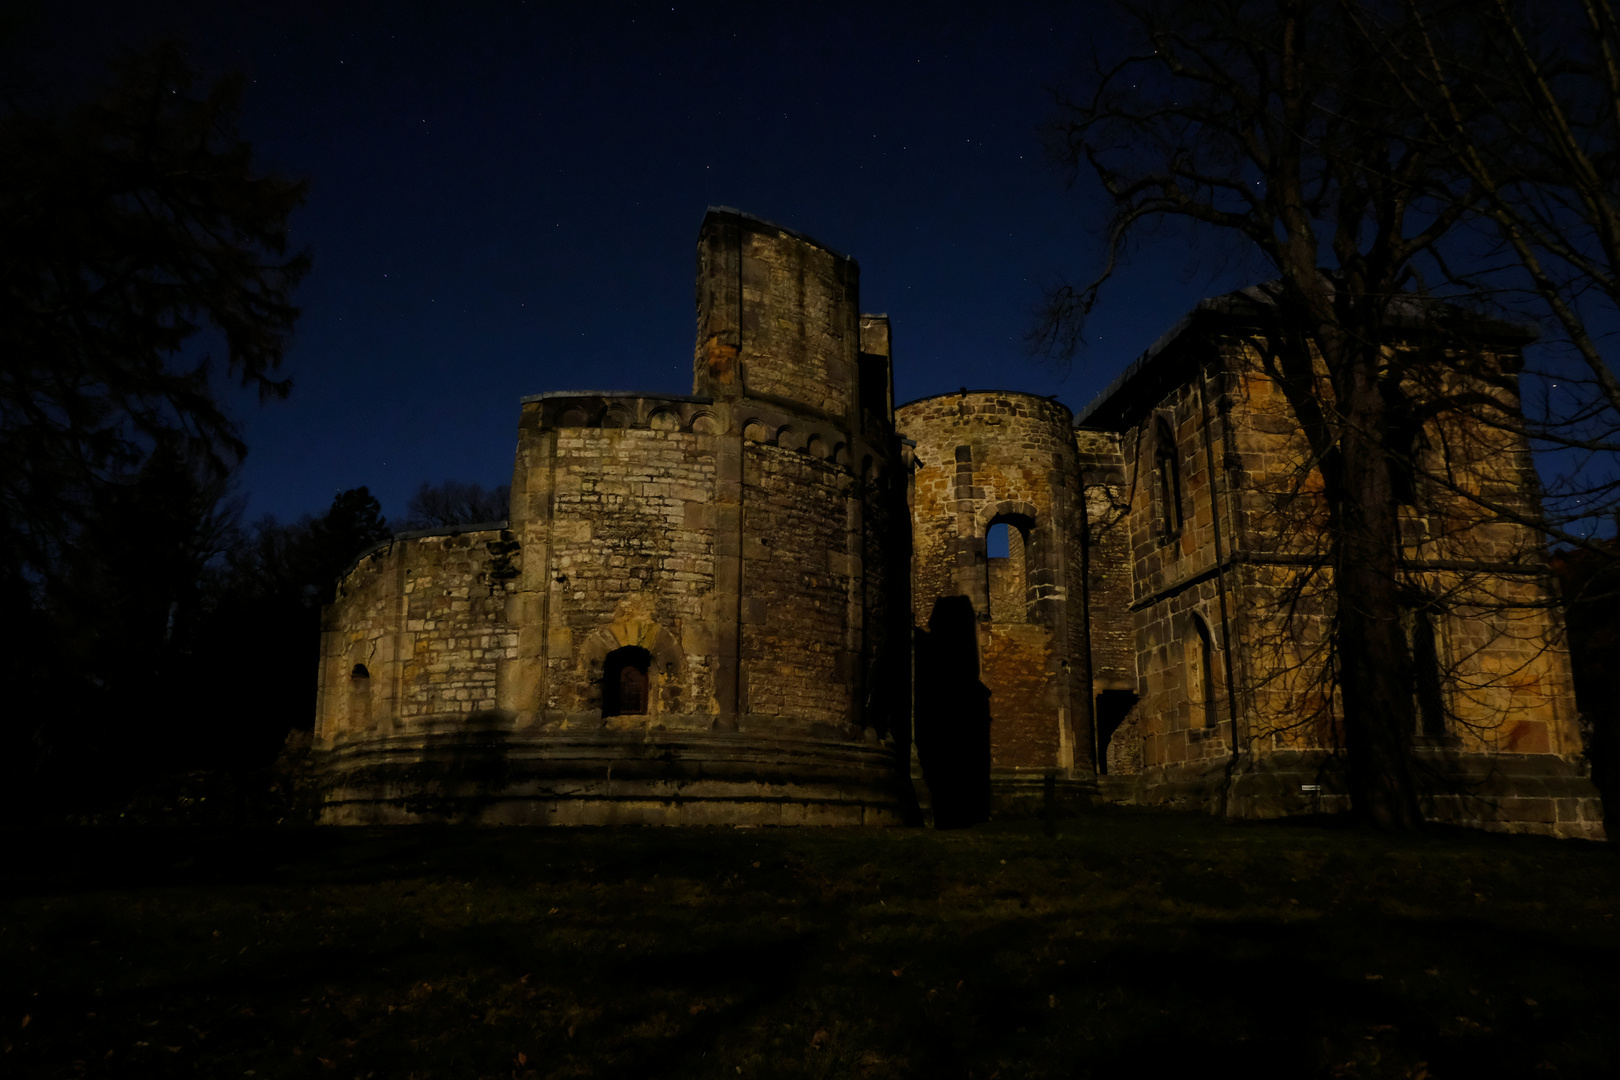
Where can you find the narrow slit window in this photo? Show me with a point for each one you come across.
(1428, 694)
(359, 697)
(1167, 480)
(1205, 702)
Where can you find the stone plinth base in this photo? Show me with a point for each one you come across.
(1520, 793)
(614, 778)
(1017, 793)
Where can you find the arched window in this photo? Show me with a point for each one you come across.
(1166, 479)
(1006, 548)
(359, 697)
(625, 684)
(1205, 681)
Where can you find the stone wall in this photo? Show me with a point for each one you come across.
(801, 576)
(742, 549)
(1180, 626)
(778, 317)
(1233, 605)
(417, 637)
(1105, 555)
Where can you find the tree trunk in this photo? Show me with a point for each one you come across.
(1375, 664)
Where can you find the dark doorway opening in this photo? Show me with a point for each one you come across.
(953, 715)
(1113, 706)
(625, 682)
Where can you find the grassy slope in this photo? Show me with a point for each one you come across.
(1126, 946)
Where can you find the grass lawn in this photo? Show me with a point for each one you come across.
(1129, 945)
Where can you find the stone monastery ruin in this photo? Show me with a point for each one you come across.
(771, 601)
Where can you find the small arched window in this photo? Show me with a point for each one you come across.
(1166, 479)
(625, 682)
(1006, 548)
(1204, 697)
(359, 697)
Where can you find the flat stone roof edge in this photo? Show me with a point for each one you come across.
(549, 395)
(997, 393)
(795, 233)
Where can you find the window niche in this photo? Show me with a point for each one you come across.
(1007, 550)
(359, 697)
(626, 683)
(1203, 681)
(1166, 479)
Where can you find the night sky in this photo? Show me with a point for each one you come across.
(505, 199)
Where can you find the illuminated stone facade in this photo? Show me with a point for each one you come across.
(767, 602)
(696, 612)
(1207, 532)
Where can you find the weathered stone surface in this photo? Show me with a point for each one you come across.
(748, 605)
(742, 549)
(1229, 591)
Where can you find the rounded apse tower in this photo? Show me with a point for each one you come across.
(697, 612)
(1002, 683)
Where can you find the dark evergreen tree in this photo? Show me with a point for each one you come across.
(128, 224)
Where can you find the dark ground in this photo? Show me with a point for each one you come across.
(1128, 945)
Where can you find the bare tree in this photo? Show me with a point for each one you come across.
(1528, 109)
(452, 502)
(1280, 125)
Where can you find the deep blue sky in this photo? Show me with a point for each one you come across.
(505, 199)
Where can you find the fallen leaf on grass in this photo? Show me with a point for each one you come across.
(326, 1064)
(28, 1018)
(695, 1009)
(522, 1058)
(818, 1038)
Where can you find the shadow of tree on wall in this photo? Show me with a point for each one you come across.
(953, 715)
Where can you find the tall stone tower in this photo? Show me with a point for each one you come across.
(1003, 681)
